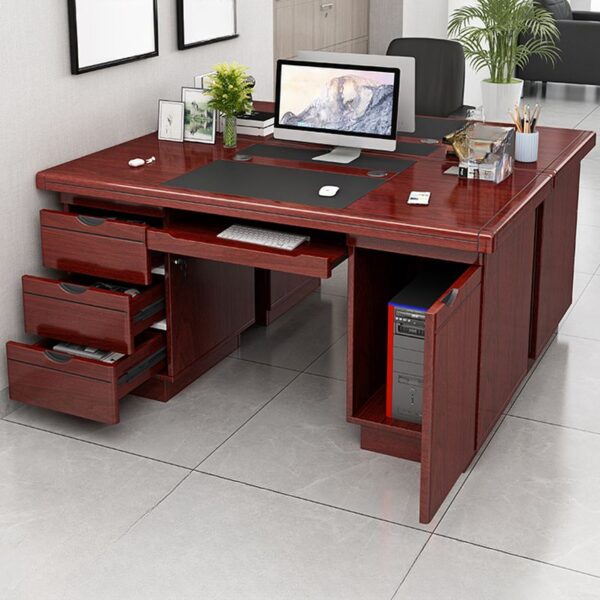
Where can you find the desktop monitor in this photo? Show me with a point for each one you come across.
(406, 64)
(349, 106)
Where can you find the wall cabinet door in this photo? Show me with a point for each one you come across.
(325, 13)
(294, 27)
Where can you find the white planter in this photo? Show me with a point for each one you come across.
(500, 98)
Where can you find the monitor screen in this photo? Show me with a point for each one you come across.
(341, 99)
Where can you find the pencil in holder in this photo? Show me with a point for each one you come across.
(526, 146)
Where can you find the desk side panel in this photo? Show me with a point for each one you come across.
(555, 258)
(505, 319)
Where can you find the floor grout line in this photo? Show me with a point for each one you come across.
(264, 364)
(152, 508)
(311, 501)
(298, 374)
(412, 564)
(560, 425)
(99, 445)
(529, 558)
(579, 337)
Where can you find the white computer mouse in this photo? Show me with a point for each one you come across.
(329, 191)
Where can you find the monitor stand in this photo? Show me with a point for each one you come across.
(340, 155)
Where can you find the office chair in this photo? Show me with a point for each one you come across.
(440, 74)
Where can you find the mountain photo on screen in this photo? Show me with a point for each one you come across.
(337, 99)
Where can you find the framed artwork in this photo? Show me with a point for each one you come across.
(200, 121)
(104, 34)
(170, 120)
(202, 22)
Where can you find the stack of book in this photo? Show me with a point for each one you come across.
(258, 124)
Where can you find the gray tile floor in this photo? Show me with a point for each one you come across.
(251, 485)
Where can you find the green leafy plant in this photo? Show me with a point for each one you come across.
(230, 90)
(504, 34)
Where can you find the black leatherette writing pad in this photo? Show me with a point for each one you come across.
(299, 186)
(435, 128)
(372, 162)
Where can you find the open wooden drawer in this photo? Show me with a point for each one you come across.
(78, 386)
(444, 442)
(89, 245)
(76, 310)
(198, 238)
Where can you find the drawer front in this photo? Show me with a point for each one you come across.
(79, 386)
(81, 314)
(98, 247)
(71, 394)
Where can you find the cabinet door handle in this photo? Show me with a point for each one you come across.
(90, 221)
(71, 288)
(57, 357)
(327, 6)
(450, 297)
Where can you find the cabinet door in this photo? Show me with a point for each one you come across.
(359, 19)
(304, 38)
(284, 29)
(450, 390)
(325, 28)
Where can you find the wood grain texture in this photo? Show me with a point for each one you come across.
(450, 391)
(373, 278)
(89, 316)
(393, 443)
(81, 387)
(454, 219)
(315, 258)
(112, 250)
(207, 303)
(554, 257)
(505, 320)
(163, 387)
(277, 293)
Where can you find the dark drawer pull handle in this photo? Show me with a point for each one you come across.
(150, 310)
(90, 221)
(142, 367)
(450, 297)
(56, 357)
(71, 288)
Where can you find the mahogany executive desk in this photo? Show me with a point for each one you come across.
(515, 240)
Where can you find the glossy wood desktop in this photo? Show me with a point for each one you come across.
(515, 241)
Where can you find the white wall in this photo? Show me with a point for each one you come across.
(48, 116)
(425, 18)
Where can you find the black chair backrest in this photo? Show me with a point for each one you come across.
(440, 73)
(561, 9)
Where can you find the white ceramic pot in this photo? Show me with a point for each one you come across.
(500, 98)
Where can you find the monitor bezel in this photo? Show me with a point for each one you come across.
(335, 132)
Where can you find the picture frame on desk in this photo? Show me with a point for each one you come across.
(200, 121)
(105, 34)
(171, 117)
(201, 22)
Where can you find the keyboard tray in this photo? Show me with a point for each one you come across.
(316, 258)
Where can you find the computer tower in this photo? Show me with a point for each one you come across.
(406, 341)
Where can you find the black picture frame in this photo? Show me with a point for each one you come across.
(182, 44)
(76, 69)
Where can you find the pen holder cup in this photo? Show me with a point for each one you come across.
(526, 147)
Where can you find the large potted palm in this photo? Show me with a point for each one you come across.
(503, 35)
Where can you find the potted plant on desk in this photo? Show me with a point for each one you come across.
(503, 35)
(230, 90)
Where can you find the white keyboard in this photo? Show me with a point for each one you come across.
(263, 237)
